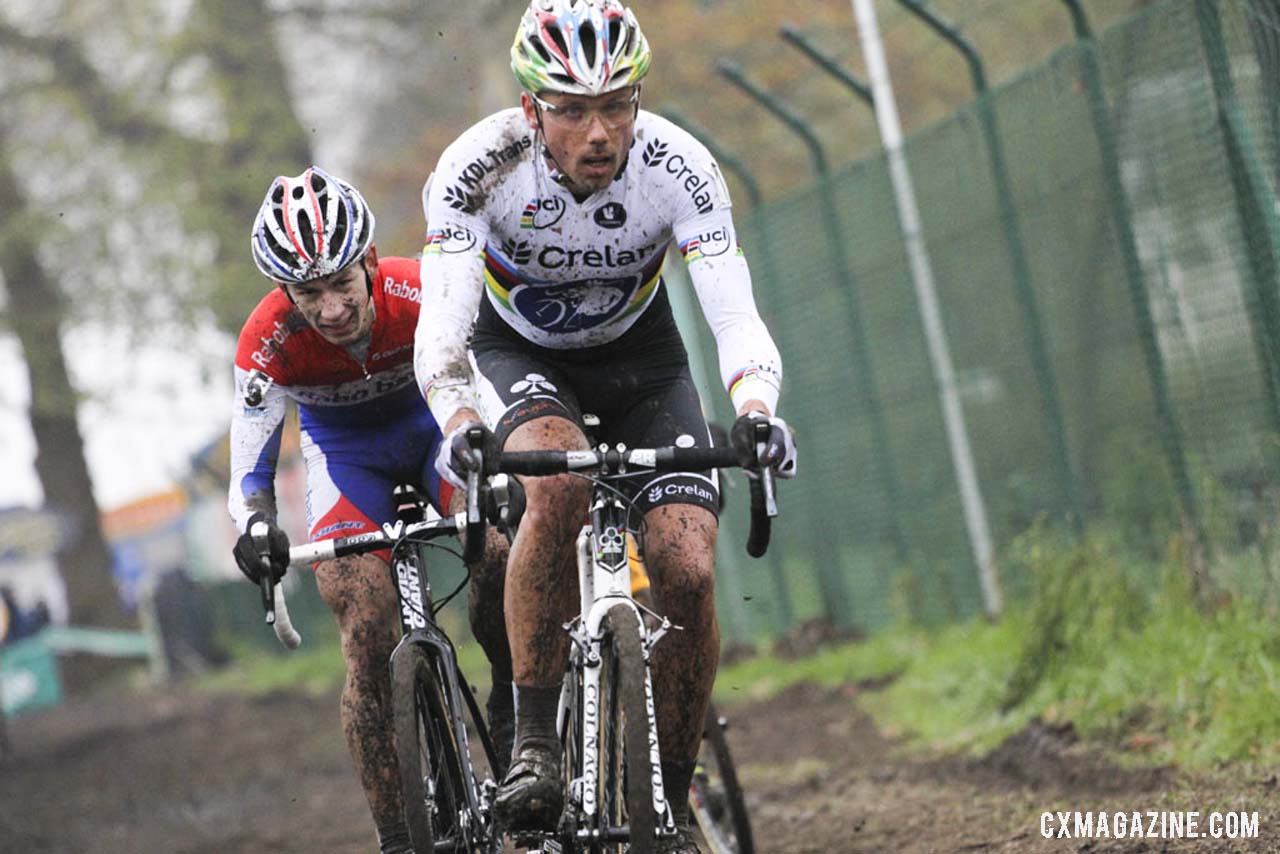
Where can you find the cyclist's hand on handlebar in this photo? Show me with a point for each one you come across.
(779, 452)
(248, 559)
(456, 459)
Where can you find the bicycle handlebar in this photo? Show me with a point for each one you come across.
(373, 541)
(471, 523)
(283, 625)
(272, 595)
(273, 601)
(613, 461)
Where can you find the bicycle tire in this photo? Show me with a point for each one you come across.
(426, 750)
(626, 767)
(716, 798)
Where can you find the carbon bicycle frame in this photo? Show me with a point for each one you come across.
(419, 628)
(604, 581)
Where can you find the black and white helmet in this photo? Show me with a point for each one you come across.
(310, 226)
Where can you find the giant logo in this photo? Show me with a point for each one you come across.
(573, 306)
(410, 594)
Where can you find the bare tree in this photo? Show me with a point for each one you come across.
(212, 181)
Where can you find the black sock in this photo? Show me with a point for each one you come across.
(502, 724)
(394, 840)
(676, 777)
(501, 695)
(536, 707)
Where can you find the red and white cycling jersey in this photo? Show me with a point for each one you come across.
(365, 426)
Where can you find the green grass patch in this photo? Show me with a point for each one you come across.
(763, 676)
(316, 667)
(1112, 644)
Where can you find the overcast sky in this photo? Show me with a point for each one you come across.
(154, 406)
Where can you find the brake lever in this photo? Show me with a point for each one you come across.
(258, 531)
(762, 431)
(473, 537)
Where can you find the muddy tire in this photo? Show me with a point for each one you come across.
(426, 750)
(715, 798)
(626, 767)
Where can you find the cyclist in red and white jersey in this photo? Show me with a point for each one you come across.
(548, 224)
(336, 336)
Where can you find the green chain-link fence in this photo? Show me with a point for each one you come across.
(1143, 168)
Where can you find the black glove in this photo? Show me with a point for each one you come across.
(248, 559)
(456, 458)
(779, 451)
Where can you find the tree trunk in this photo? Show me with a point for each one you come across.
(265, 138)
(35, 315)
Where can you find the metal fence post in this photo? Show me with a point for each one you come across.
(866, 382)
(1022, 279)
(1122, 218)
(772, 286)
(793, 36)
(1255, 204)
(972, 505)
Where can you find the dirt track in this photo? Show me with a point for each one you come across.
(184, 772)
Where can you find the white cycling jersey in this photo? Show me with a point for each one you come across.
(568, 275)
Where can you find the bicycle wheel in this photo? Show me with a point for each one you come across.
(715, 798)
(431, 776)
(625, 764)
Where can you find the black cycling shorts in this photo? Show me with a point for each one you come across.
(639, 386)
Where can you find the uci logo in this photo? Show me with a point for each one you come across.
(714, 242)
(454, 239)
(612, 215)
(542, 213)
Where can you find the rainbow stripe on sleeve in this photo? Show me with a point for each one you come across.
(752, 373)
(434, 246)
(691, 250)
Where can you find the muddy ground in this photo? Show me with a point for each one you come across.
(180, 771)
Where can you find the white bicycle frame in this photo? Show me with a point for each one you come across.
(604, 582)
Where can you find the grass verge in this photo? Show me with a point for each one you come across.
(1117, 647)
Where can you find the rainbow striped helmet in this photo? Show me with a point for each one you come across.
(310, 226)
(579, 47)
